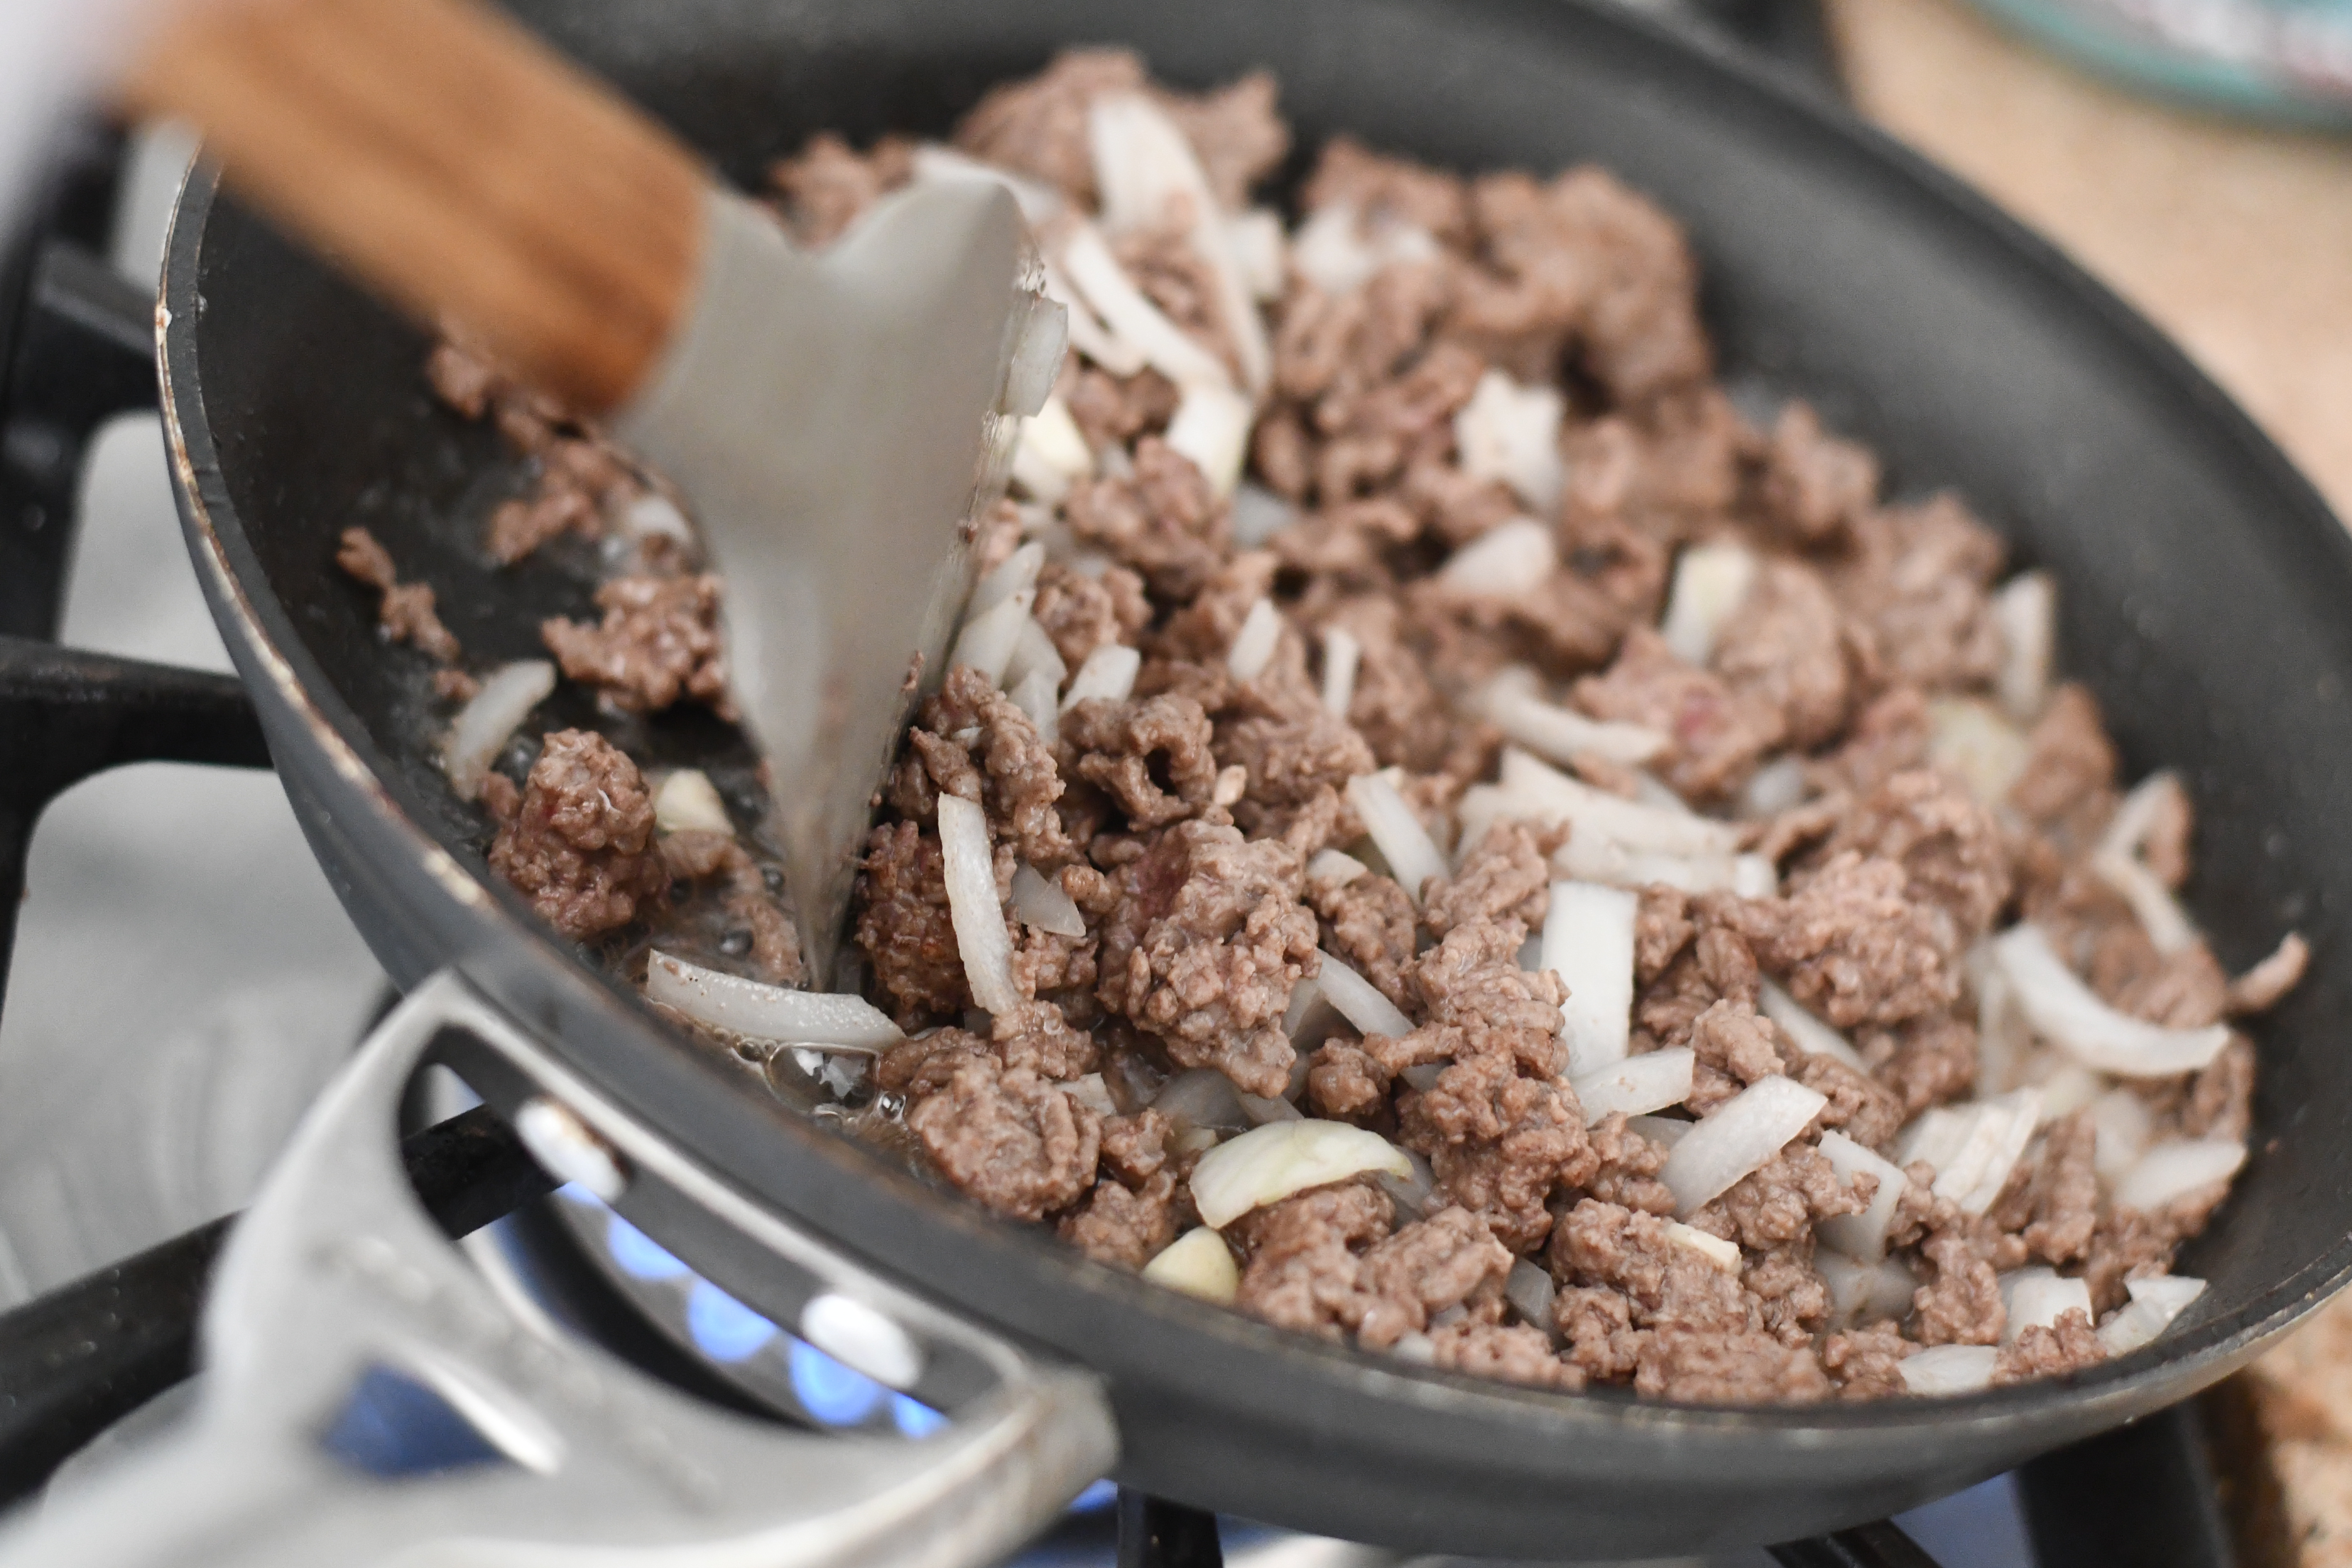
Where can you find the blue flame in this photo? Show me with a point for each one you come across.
(834, 1393)
(724, 1328)
(639, 1255)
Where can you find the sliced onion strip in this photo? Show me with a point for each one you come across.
(1268, 1164)
(982, 939)
(1510, 701)
(1711, 582)
(735, 1005)
(1950, 1369)
(2154, 1306)
(1360, 1001)
(1403, 842)
(2025, 609)
(1511, 433)
(2038, 1297)
(1123, 308)
(1039, 900)
(688, 801)
(1254, 644)
(1588, 942)
(1107, 676)
(1739, 1139)
(988, 640)
(2067, 1014)
(481, 729)
(1637, 1085)
(1342, 656)
(1505, 562)
(1810, 1034)
(1212, 428)
(1198, 1263)
(2176, 1168)
(1861, 1236)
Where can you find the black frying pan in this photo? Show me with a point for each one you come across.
(2203, 587)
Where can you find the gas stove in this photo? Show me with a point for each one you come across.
(185, 983)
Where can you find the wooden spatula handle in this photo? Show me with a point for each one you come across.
(454, 163)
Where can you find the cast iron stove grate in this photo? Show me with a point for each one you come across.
(76, 346)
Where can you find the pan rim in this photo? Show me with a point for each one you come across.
(275, 656)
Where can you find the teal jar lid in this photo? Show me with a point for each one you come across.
(2287, 61)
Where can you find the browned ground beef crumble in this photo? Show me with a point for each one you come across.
(1181, 820)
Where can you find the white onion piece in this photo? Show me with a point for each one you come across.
(1778, 786)
(1014, 573)
(1343, 654)
(1033, 653)
(1333, 251)
(1201, 1097)
(1107, 674)
(1510, 701)
(481, 731)
(1864, 1293)
(1212, 427)
(1530, 1290)
(2126, 1127)
(1665, 1132)
(982, 939)
(1973, 1147)
(2001, 1040)
(1268, 1164)
(1038, 200)
(2026, 612)
(1301, 1006)
(1810, 1034)
(746, 1007)
(1089, 334)
(1722, 1254)
(1255, 643)
(654, 514)
(1260, 248)
(1950, 1369)
(1360, 1001)
(2176, 1167)
(1144, 166)
(1506, 560)
(2118, 862)
(988, 640)
(2154, 1305)
(1711, 582)
(1637, 1085)
(1093, 1093)
(1334, 868)
(1553, 796)
(2068, 1088)
(1039, 900)
(1402, 841)
(2037, 1298)
(1588, 942)
(1862, 1236)
(1259, 514)
(1034, 695)
(1754, 877)
(1739, 1139)
(688, 801)
(2066, 1012)
(1591, 857)
(1198, 1263)
(1969, 739)
(1105, 284)
(1262, 1109)
(1511, 433)
(1051, 453)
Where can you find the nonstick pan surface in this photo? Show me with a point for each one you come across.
(2202, 586)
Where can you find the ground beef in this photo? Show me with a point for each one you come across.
(1752, 1368)
(1777, 1203)
(1152, 756)
(1918, 578)
(2053, 1200)
(1506, 875)
(1206, 946)
(1512, 1352)
(1664, 1284)
(973, 742)
(1718, 735)
(1788, 648)
(1009, 1139)
(1161, 520)
(1370, 923)
(2067, 1345)
(405, 611)
(579, 844)
(1868, 1363)
(1851, 946)
(1499, 1142)
(1082, 614)
(1952, 853)
(1815, 487)
(904, 928)
(659, 642)
(1305, 1264)
(1962, 1305)
(1122, 1224)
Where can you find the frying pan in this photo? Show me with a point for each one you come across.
(2204, 587)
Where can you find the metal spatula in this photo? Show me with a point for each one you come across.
(831, 419)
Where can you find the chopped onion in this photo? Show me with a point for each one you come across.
(1198, 1263)
(738, 1007)
(2026, 612)
(1033, 653)
(1268, 1164)
(1969, 739)
(1039, 900)
(1511, 433)
(1810, 1034)
(1973, 1147)
(2066, 1088)
(1510, 701)
(689, 802)
(1637, 1085)
(1754, 877)
(987, 640)
(981, 940)
(1506, 560)
(1254, 643)
(1089, 334)
(1014, 573)
(1864, 1293)
(2154, 1305)
(1052, 452)
(1778, 786)
(2067, 1014)
(1259, 514)
(1093, 1093)
(1034, 695)
(1635, 826)
(654, 514)
(1950, 1369)
(1724, 1254)
(2176, 1167)
(1332, 250)
(1212, 427)
(1739, 1139)
(1588, 942)
(2037, 1298)
(1107, 674)
(1411, 1193)
(1530, 1292)
(1342, 654)
(481, 731)
(1863, 1235)
(2000, 1043)
(1360, 1001)
(1260, 249)
(1146, 171)
(1334, 868)
(2118, 862)
(1303, 998)
(1711, 582)
(2126, 1127)
(1665, 1132)
(1105, 284)
(1262, 1109)
(1402, 841)
(1201, 1097)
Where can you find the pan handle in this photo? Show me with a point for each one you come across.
(339, 1292)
